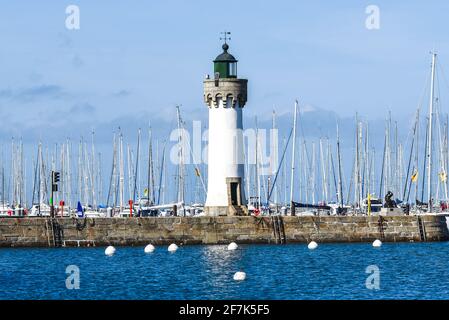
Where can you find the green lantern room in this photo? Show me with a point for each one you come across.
(225, 65)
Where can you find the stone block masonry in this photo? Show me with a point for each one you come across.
(45, 232)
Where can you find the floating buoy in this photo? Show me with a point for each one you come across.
(312, 245)
(149, 248)
(239, 276)
(172, 248)
(232, 246)
(377, 243)
(109, 251)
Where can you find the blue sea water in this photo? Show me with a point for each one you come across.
(332, 271)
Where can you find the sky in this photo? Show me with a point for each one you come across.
(131, 63)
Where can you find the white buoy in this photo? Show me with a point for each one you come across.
(172, 248)
(312, 245)
(232, 246)
(239, 276)
(149, 248)
(109, 251)
(377, 243)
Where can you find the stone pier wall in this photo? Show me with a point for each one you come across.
(43, 232)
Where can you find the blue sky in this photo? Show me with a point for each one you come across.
(132, 62)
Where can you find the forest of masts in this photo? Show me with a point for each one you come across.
(413, 169)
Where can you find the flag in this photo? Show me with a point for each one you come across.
(443, 176)
(145, 192)
(415, 176)
(197, 172)
(80, 210)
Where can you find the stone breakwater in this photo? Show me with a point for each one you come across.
(47, 232)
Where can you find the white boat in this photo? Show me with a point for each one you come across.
(40, 210)
(94, 214)
(5, 210)
(307, 213)
(336, 209)
(124, 214)
(375, 205)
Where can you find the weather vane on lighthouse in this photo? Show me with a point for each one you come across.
(226, 36)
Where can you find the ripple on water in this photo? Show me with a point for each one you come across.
(334, 271)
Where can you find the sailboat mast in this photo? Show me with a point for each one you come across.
(13, 175)
(417, 156)
(69, 178)
(284, 177)
(99, 179)
(340, 182)
(410, 159)
(275, 157)
(323, 172)
(62, 171)
(121, 174)
(111, 191)
(313, 176)
(86, 171)
(150, 177)
(181, 159)
(41, 175)
(257, 177)
(80, 172)
(3, 184)
(137, 168)
(366, 179)
(356, 165)
(130, 177)
(161, 176)
(429, 143)
(93, 177)
(292, 177)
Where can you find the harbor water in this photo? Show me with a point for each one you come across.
(331, 271)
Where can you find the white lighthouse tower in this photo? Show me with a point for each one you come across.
(225, 96)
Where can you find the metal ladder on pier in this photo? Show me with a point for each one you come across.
(381, 228)
(421, 229)
(57, 233)
(278, 229)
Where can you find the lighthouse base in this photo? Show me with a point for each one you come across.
(226, 211)
(234, 198)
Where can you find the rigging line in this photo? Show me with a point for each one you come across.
(425, 161)
(280, 165)
(351, 181)
(161, 172)
(420, 107)
(334, 176)
(438, 120)
(423, 92)
(137, 167)
(411, 155)
(440, 144)
(308, 176)
(193, 156)
(438, 93)
(409, 141)
(441, 70)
